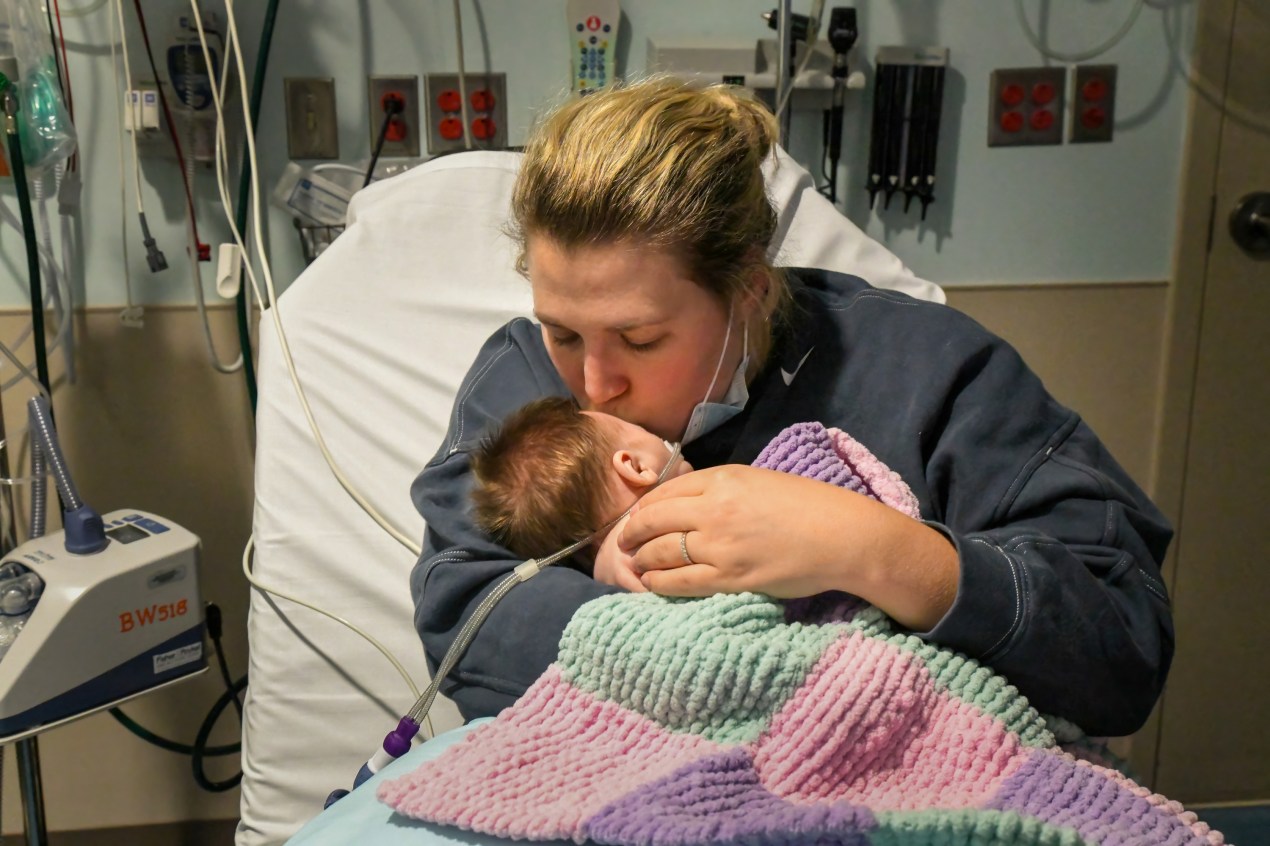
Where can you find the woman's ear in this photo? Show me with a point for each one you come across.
(757, 300)
(633, 468)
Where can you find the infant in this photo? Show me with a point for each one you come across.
(553, 474)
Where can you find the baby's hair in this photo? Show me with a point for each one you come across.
(542, 478)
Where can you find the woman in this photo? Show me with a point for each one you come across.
(644, 227)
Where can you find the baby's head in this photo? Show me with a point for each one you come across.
(553, 474)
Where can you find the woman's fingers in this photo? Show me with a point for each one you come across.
(667, 552)
(694, 580)
(627, 580)
(665, 510)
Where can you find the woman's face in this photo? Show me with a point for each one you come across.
(630, 333)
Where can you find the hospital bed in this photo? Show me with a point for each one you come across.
(382, 328)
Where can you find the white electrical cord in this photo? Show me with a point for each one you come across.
(232, 46)
(813, 34)
(247, 558)
(458, 38)
(132, 110)
(1082, 55)
(232, 49)
(221, 162)
(196, 270)
(272, 301)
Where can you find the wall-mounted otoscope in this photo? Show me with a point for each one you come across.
(841, 34)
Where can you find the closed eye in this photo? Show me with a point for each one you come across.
(644, 347)
(563, 340)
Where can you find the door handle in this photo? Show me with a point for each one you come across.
(1250, 224)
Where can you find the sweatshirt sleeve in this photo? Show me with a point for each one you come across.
(460, 566)
(1060, 587)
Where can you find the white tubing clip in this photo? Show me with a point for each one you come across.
(229, 268)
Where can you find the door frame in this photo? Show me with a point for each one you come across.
(1197, 216)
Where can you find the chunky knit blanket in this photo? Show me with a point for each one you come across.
(742, 720)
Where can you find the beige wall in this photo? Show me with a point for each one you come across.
(150, 425)
(1099, 349)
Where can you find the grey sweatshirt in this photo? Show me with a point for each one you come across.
(1060, 551)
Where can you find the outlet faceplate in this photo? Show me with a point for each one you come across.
(486, 111)
(1027, 106)
(1093, 104)
(311, 124)
(403, 136)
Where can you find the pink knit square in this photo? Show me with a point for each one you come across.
(871, 727)
(544, 766)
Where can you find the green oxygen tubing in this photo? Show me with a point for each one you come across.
(9, 101)
(244, 184)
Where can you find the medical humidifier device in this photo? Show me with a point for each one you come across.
(92, 615)
(104, 627)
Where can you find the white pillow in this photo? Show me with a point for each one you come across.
(382, 329)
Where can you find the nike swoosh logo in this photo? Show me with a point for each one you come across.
(789, 377)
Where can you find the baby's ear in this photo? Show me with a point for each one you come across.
(633, 469)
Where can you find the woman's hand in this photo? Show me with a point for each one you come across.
(786, 536)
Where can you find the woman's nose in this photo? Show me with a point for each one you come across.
(601, 380)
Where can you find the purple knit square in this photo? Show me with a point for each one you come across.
(806, 449)
(1059, 791)
(720, 800)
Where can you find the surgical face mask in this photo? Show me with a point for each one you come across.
(708, 416)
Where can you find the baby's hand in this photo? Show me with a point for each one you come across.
(615, 567)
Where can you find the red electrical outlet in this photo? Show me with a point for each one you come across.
(449, 101)
(487, 111)
(401, 136)
(1093, 104)
(1026, 106)
(451, 129)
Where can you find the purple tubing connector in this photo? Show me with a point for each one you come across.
(397, 742)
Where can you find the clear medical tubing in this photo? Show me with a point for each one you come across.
(522, 573)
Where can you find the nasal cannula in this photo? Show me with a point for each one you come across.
(397, 742)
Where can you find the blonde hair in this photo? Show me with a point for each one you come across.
(665, 163)
(542, 478)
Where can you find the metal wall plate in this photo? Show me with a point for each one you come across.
(486, 111)
(1093, 104)
(312, 128)
(404, 141)
(1026, 106)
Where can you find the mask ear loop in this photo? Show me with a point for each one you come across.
(727, 336)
